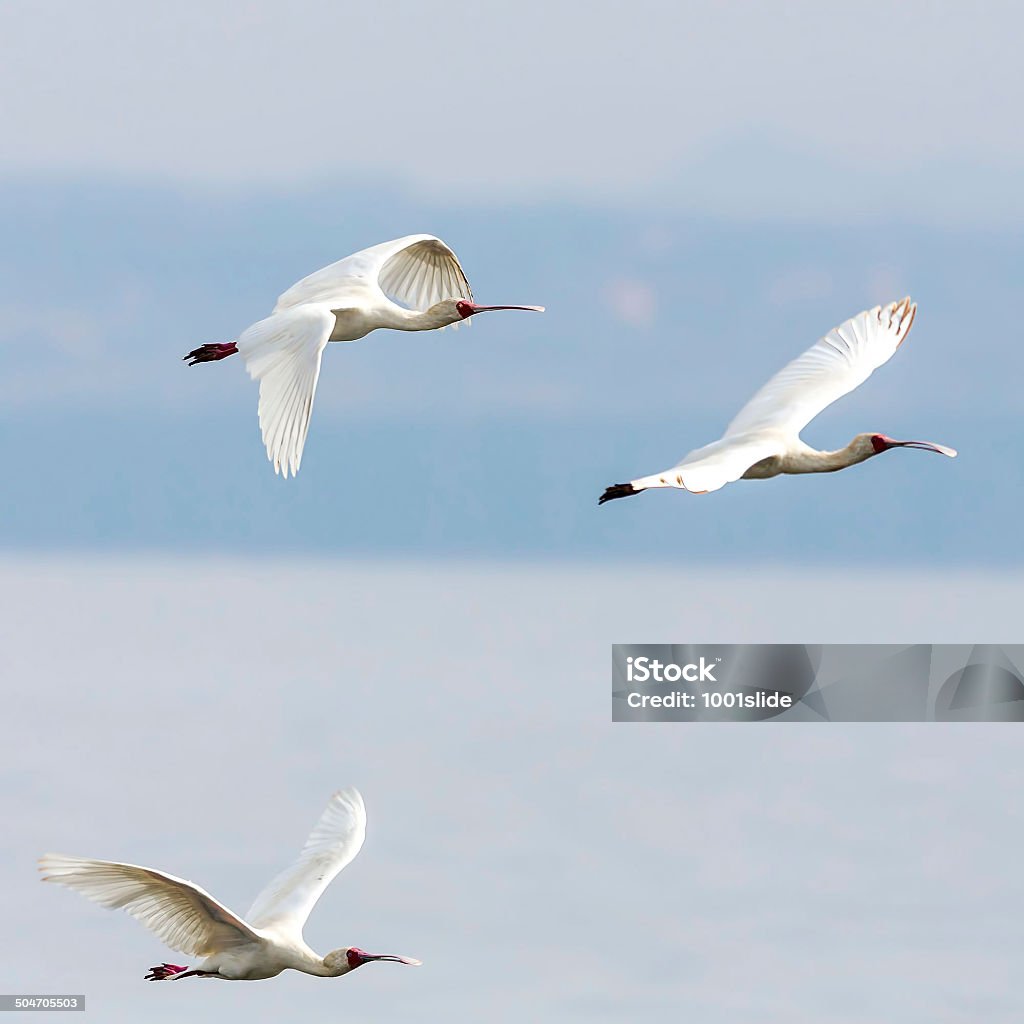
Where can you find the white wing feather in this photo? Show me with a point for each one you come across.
(283, 353)
(179, 913)
(415, 271)
(422, 274)
(338, 836)
(829, 369)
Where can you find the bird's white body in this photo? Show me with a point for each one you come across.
(415, 283)
(263, 944)
(267, 959)
(763, 439)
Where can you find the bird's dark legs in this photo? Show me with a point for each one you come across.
(211, 353)
(164, 971)
(172, 972)
(618, 491)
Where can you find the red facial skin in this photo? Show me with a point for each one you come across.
(356, 957)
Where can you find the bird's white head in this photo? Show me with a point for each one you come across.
(875, 444)
(341, 961)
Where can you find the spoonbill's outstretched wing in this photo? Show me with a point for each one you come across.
(416, 271)
(288, 900)
(283, 353)
(179, 913)
(829, 369)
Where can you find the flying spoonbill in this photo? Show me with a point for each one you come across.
(763, 439)
(191, 921)
(414, 283)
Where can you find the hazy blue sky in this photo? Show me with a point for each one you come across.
(496, 440)
(545, 864)
(695, 191)
(812, 108)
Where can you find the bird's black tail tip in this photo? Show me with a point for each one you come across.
(617, 491)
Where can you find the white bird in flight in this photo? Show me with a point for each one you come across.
(763, 439)
(191, 921)
(414, 283)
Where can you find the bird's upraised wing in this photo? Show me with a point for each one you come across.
(287, 901)
(415, 271)
(829, 369)
(422, 273)
(182, 915)
(283, 353)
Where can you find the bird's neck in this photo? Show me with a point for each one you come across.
(321, 970)
(333, 965)
(300, 957)
(317, 966)
(809, 460)
(414, 320)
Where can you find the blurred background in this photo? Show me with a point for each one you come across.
(197, 652)
(696, 192)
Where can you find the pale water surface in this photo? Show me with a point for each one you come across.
(544, 864)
